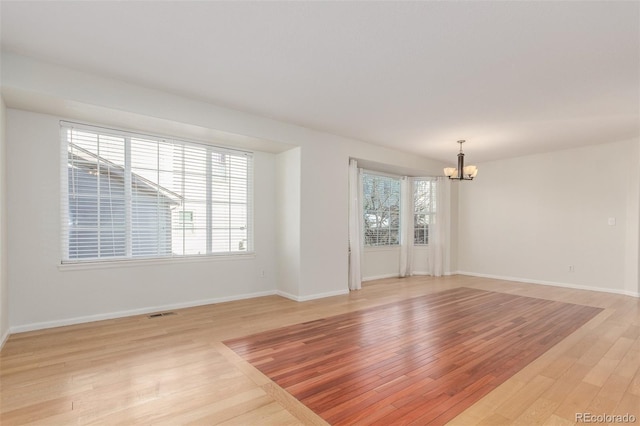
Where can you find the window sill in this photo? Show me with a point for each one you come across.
(123, 263)
(394, 248)
(382, 248)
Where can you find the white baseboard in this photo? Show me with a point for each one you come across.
(147, 310)
(151, 309)
(311, 297)
(551, 283)
(4, 338)
(379, 277)
(414, 273)
(141, 311)
(422, 273)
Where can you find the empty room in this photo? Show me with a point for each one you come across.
(319, 213)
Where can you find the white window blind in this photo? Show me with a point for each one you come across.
(381, 209)
(424, 201)
(127, 196)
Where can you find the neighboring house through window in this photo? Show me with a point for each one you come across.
(134, 196)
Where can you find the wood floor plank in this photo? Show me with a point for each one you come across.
(428, 358)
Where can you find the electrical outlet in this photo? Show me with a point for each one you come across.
(571, 268)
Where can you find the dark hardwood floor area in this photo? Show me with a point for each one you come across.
(579, 355)
(418, 361)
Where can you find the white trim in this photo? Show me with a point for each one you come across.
(313, 296)
(287, 295)
(413, 273)
(4, 338)
(120, 263)
(136, 133)
(551, 283)
(374, 249)
(425, 273)
(422, 273)
(379, 173)
(380, 277)
(141, 311)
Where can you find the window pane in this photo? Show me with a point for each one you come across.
(195, 238)
(424, 209)
(95, 207)
(221, 240)
(111, 242)
(238, 239)
(238, 216)
(381, 208)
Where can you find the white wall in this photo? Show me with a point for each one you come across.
(322, 264)
(632, 254)
(288, 222)
(43, 294)
(324, 218)
(4, 286)
(384, 262)
(533, 217)
(311, 262)
(380, 262)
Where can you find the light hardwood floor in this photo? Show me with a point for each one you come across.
(175, 370)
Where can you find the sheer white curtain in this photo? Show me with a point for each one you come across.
(437, 230)
(355, 226)
(406, 227)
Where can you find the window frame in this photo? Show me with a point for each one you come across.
(365, 212)
(224, 152)
(431, 212)
(415, 212)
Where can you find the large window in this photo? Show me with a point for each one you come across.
(127, 196)
(381, 197)
(424, 209)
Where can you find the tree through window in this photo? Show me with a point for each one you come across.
(424, 204)
(381, 208)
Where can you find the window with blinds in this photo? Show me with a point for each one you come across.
(424, 203)
(128, 196)
(381, 208)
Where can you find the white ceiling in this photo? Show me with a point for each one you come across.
(513, 78)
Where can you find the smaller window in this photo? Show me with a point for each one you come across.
(381, 208)
(424, 202)
(185, 218)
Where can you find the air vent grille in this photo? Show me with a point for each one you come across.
(162, 314)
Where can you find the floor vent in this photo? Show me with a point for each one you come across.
(162, 314)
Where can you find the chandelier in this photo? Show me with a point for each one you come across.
(462, 172)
